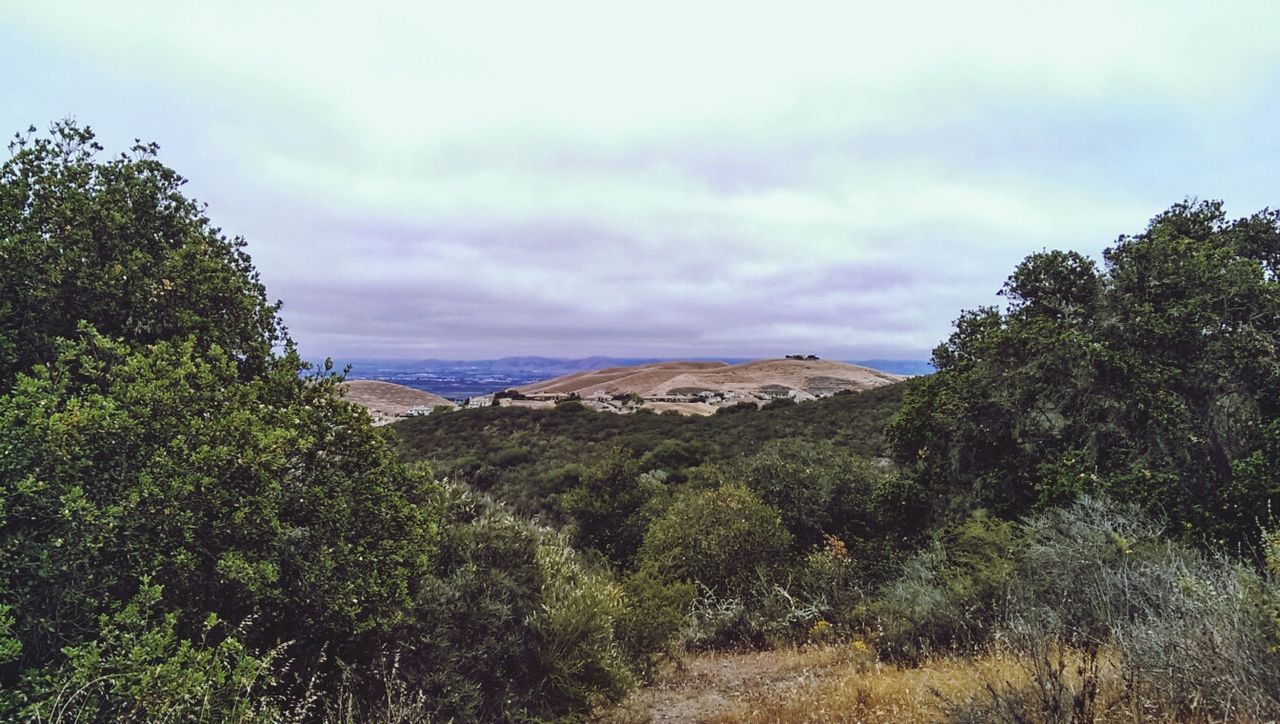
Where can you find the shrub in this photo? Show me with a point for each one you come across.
(722, 538)
(139, 667)
(510, 456)
(1094, 586)
(469, 646)
(653, 617)
(511, 625)
(581, 666)
(833, 578)
(611, 506)
(569, 405)
(951, 592)
(164, 469)
(150, 435)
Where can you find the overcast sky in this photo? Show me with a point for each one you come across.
(673, 179)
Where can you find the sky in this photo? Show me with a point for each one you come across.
(422, 179)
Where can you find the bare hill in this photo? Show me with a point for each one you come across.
(387, 401)
(717, 382)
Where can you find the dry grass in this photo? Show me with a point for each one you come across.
(847, 684)
(864, 690)
(387, 401)
(748, 378)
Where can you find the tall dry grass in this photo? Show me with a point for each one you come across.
(864, 690)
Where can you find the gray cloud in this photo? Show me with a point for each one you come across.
(683, 181)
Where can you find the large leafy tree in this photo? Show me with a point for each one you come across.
(115, 243)
(153, 444)
(1155, 378)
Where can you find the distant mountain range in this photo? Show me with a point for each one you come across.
(460, 379)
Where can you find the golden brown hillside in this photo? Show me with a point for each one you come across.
(387, 401)
(700, 387)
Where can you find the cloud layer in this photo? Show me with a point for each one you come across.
(571, 179)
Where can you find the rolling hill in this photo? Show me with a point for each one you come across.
(387, 401)
(672, 381)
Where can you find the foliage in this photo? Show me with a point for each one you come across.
(582, 666)
(560, 445)
(468, 644)
(1089, 589)
(654, 615)
(951, 592)
(722, 538)
(511, 624)
(140, 668)
(116, 244)
(820, 490)
(168, 464)
(1156, 379)
(611, 507)
(267, 496)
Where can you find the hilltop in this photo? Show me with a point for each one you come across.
(387, 401)
(702, 387)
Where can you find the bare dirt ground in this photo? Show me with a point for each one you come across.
(723, 687)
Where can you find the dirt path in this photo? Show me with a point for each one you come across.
(713, 685)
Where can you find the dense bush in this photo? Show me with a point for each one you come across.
(1090, 592)
(116, 245)
(951, 592)
(821, 490)
(468, 643)
(194, 526)
(612, 505)
(723, 539)
(1194, 633)
(140, 668)
(650, 626)
(581, 666)
(559, 444)
(1155, 380)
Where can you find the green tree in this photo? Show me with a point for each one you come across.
(116, 244)
(194, 525)
(149, 436)
(612, 507)
(1153, 380)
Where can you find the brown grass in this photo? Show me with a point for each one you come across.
(387, 401)
(845, 684)
(662, 379)
(864, 690)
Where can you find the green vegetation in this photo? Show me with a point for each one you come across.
(194, 526)
(1155, 380)
(473, 446)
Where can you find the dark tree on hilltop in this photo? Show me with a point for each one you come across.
(1155, 379)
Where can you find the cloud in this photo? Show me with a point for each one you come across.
(571, 178)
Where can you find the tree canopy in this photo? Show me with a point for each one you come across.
(152, 442)
(1155, 378)
(116, 244)
(195, 526)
